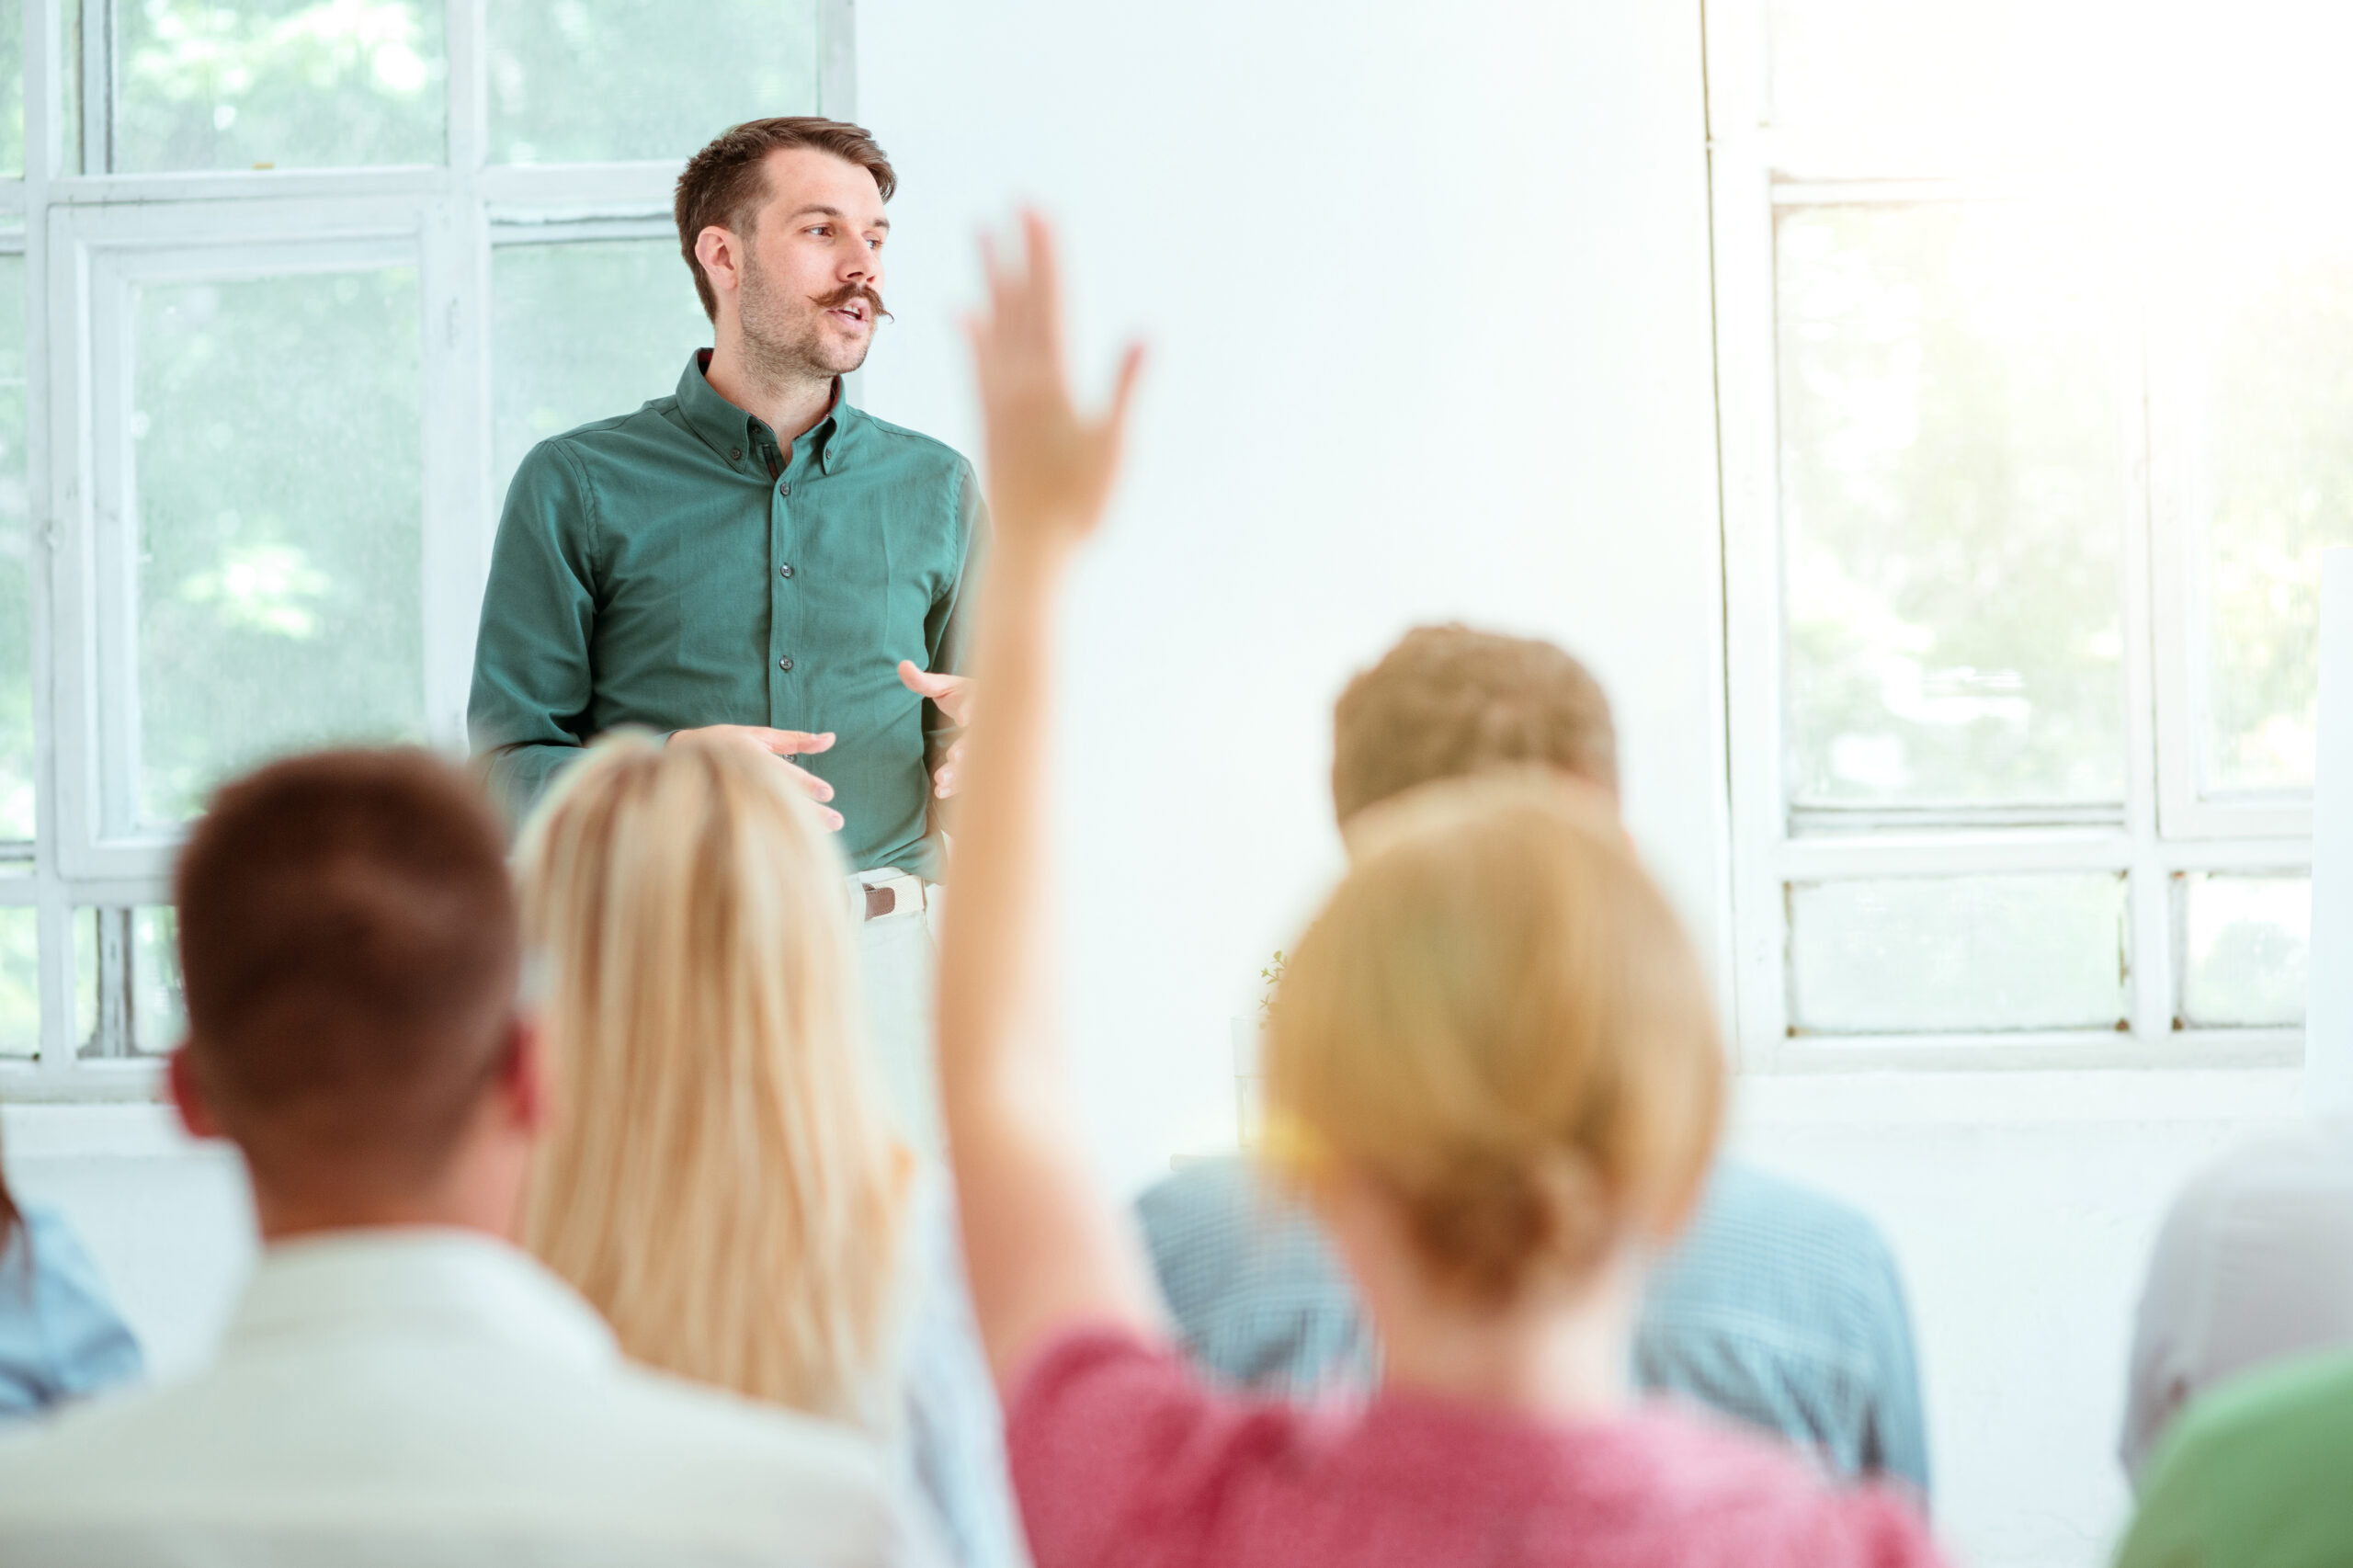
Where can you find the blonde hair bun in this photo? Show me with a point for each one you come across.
(1498, 1021)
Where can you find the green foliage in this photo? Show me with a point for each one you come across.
(211, 84)
(1270, 981)
(549, 375)
(280, 515)
(2278, 471)
(589, 81)
(1953, 502)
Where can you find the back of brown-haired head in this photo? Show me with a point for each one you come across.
(724, 184)
(350, 950)
(1447, 701)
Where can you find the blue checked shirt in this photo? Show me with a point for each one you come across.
(61, 1337)
(1779, 1307)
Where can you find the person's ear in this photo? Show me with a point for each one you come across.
(524, 1081)
(721, 260)
(187, 1095)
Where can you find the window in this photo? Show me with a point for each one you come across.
(2033, 323)
(287, 289)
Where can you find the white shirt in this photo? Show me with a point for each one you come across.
(432, 1396)
(2254, 1262)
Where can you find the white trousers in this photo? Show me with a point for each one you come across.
(898, 956)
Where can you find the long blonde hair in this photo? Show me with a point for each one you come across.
(721, 1181)
(1498, 1021)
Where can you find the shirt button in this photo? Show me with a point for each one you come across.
(735, 454)
(785, 570)
(785, 488)
(784, 664)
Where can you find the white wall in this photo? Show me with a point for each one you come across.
(1428, 289)
(1427, 292)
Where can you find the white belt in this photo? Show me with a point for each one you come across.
(874, 895)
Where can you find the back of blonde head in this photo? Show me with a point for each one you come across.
(1498, 1022)
(720, 1182)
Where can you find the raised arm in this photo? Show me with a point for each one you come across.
(1044, 1246)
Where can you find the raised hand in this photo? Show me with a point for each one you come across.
(782, 743)
(1044, 1246)
(1049, 467)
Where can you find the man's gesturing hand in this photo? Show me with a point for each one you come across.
(954, 694)
(782, 743)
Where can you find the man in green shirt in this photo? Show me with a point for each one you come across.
(753, 556)
(2253, 1475)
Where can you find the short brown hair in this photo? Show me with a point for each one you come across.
(724, 184)
(350, 950)
(1448, 700)
(1498, 1023)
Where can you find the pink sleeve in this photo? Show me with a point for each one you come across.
(1121, 1454)
(1894, 1534)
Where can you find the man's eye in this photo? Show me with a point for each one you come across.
(821, 230)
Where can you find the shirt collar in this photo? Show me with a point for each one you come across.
(405, 1279)
(733, 434)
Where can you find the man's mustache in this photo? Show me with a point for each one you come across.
(848, 292)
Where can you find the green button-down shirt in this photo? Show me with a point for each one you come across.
(674, 568)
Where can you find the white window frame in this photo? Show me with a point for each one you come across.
(2165, 828)
(86, 240)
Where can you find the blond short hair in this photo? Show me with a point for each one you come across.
(721, 1181)
(1499, 1020)
(1449, 700)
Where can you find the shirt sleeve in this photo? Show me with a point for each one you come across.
(948, 630)
(2158, 1377)
(2166, 1530)
(1896, 1442)
(1115, 1443)
(88, 1347)
(1252, 1285)
(528, 714)
(953, 1424)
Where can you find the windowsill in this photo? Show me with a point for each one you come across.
(30, 1130)
(1913, 1096)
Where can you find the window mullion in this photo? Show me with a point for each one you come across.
(2151, 948)
(44, 144)
(467, 39)
(97, 73)
(459, 512)
(1742, 246)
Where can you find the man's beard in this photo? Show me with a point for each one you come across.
(787, 344)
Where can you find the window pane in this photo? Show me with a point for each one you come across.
(287, 84)
(1989, 62)
(549, 375)
(1952, 491)
(19, 982)
(2274, 489)
(16, 624)
(2245, 940)
(1957, 954)
(158, 1008)
(594, 81)
(12, 89)
(2056, 78)
(279, 508)
(128, 1000)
